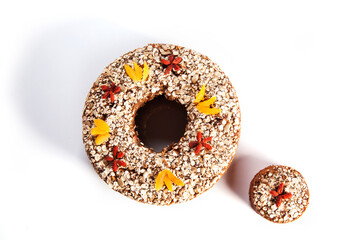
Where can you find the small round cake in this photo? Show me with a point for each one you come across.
(182, 170)
(279, 194)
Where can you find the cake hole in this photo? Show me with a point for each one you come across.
(160, 123)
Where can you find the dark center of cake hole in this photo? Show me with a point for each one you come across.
(160, 123)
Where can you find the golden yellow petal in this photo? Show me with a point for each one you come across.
(96, 131)
(208, 102)
(159, 182)
(207, 110)
(200, 95)
(102, 125)
(100, 139)
(130, 72)
(168, 183)
(146, 72)
(174, 179)
(138, 72)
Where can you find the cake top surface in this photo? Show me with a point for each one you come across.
(179, 74)
(279, 194)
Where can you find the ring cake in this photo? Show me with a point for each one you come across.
(183, 170)
(279, 194)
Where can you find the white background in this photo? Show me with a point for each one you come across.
(295, 66)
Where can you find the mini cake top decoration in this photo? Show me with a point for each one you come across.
(279, 194)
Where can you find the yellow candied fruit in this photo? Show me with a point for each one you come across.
(200, 95)
(208, 110)
(168, 183)
(208, 102)
(101, 131)
(96, 131)
(145, 72)
(174, 179)
(100, 139)
(102, 124)
(137, 73)
(204, 106)
(167, 177)
(130, 72)
(159, 182)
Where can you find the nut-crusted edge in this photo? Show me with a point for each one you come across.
(198, 172)
(269, 179)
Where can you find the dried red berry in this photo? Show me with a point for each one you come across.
(115, 159)
(286, 195)
(274, 193)
(199, 143)
(193, 144)
(110, 91)
(199, 136)
(122, 163)
(171, 63)
(198, 149)
(206, 139)
(278, 201)
(280, 188)
(280, 195)
(207, 146)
